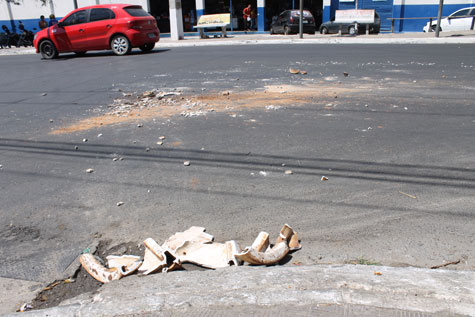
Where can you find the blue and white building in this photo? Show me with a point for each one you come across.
(408, 15)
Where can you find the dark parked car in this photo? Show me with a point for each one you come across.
(349, 28)
(288, 22)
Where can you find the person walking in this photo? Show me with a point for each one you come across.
(52, 20)
(246, 15)
(42, 24)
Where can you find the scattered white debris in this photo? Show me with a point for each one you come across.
(147, 149)
(161, 137)
(115, 159)
(89, 170)
(288, 172)
(272, 107)
(263, 173)
(84, 140)
(160, 142)
(76, 147)
(99, 135)
(186, 163)
(1, 166)
(25, 307)
(405, 108)
(51, 121)
(44, 94)
(324, 178)
(139, 125)
(120, 203)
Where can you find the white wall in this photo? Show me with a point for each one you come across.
(32, 9)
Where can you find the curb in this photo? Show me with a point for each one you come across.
(194, 42)
(294, 289)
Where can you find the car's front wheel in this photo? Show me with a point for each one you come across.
(324, 30)
(120, 45)
(48, 50)
(147, 47)
(434, 27)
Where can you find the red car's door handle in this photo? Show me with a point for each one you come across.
(81, 30)
(108, 26)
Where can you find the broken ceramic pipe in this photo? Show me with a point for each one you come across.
(97, 270)
(260, 253)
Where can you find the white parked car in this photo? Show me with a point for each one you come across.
(460, 20)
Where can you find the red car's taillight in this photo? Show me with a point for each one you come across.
(134, 25)
(291, 19)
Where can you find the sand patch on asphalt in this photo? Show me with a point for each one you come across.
(133, 108)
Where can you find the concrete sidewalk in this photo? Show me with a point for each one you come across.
(463, 37)
(326, 290)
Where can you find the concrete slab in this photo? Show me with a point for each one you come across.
(302, 290)
(14, 293)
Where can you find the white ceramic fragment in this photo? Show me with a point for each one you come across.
(193, 234)
(209, 255)
(154, 257)
(127, 264)
(288, 234)
(262, 242)
(97, 270)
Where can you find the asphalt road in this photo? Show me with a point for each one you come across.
(395, 139)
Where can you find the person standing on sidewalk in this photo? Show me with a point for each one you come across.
(52, 20)
(42, 24)
(246, 15)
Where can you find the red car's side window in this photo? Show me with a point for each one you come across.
(101, 14)
(76, 18)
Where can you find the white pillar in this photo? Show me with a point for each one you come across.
(176, 20)
(51, 5)
(200, 8)
(10, 15)
(97, 2)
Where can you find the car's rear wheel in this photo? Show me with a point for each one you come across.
(120, 45)
(324, 30)
(352, 30)
(147, 47)
(80, 53)
(48, 50)
(286, 30)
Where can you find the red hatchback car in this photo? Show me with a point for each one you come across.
(118, 27)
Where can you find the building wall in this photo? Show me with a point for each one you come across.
(423, 9)
(29, 11)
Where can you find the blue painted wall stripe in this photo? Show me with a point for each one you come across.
(260, 19)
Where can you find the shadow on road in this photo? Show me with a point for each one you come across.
(107, 53)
